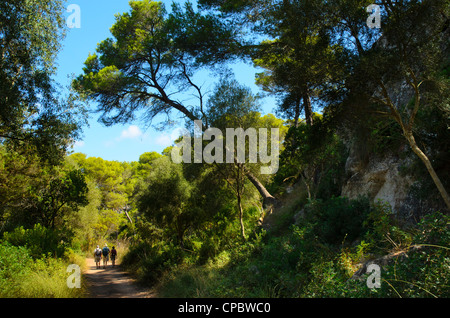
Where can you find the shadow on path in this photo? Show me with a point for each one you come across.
(112, 282)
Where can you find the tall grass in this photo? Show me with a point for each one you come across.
(189, 282)
(22, 276)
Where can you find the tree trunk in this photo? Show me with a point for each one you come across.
(412, 142)
(308, 109)
(268, 199)
(239, 190)
(297, 112)
(241, 216)
(408, 134)
(128, 217)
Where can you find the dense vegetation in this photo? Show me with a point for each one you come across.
(205, 229)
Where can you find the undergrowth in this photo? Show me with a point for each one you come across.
(314, 257)
(33, 264)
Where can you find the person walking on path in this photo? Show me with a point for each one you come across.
(105, 252)
(97, 256)
(113, 256)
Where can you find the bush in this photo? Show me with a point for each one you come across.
(23, 277)
(14, 268)
(48, 279)
(338, 218)
(434, 229)
(423, 273)
(39, 240)
(384, 231)
(149, 261)
(209, 249)
(189, 282)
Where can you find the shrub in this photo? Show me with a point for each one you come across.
(434, 229)
(209, 249)
(384, 231)
(423, 273)
(39, 240)
(189, 282)
(149, 261)
(338, 218)
(21, 276)
(14, 267)
(48, 279)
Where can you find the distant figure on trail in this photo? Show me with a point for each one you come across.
(113, 256)
(105, 252)
(97, 256)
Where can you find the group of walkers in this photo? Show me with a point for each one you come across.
(104, 254)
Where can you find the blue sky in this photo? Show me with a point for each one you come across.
(121, 142)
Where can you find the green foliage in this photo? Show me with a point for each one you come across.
(148, 157)
(39, 240)
(314, 258)
(146, 56)
(111, 186)
(165, 198)
(338, 219)
(35, 193)
(14, 260)
(69, 190)
(232, 105)
(25, 277)
(423, 274)
(38, 190)
(149, 262)
(427, 270)
(189, 283)
(434, 229)
(301, 62)
(385, 229)
(32, 116)
(315, 154)
(189, 28)
(183, 220)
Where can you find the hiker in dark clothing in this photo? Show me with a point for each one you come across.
(113, 256)
(105, 252)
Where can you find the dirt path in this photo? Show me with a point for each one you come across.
(112, 282)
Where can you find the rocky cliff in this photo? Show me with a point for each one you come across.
(379, 178)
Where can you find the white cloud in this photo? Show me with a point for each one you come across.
(163, 140)
(131, 133)
(166, 139)
(78, 144)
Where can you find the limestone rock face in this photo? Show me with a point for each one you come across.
(379, 178)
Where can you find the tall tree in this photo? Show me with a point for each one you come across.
(234, 106)
(302, 65)
(300, 62)
(150, 60)
(114, 183)
(406, 50)
(33, 193)
(30, 111)
(405, 62)
(142, 67)
(164, 201)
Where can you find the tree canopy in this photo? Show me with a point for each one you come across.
(31, 110)
(262, 211)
